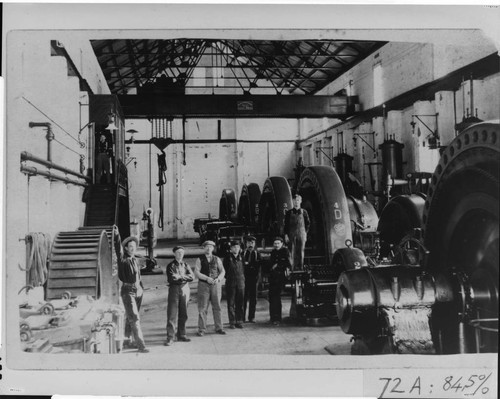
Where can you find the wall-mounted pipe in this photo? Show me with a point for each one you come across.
(34, 171)
(50, 136)
(26, 156)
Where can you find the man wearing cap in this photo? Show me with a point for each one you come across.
(132, 288)
(278, 270)
(210, 272)
(235, 285)
(251, 264)
(179, 274)
(102, 159)
(297, 224)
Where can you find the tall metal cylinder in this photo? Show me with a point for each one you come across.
(392, 158)
(343, 166)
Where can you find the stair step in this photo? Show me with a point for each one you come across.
(75, 273)
(57, 250)
(83, 264)
(76, 257)
(69, 283)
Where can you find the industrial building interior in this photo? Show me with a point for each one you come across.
(389, 136)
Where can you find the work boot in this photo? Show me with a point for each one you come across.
(183, 339)
(221, 332)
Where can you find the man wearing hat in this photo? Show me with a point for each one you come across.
(132, 288)
(251, 264)
(279, 268)
(297, 224)
(235, 285)
(210, 272)
(102, 158)
(179, 274)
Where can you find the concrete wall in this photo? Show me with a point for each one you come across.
(406, 66)
(38, 89)
(193, 190)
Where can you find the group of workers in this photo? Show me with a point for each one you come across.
(240, 268)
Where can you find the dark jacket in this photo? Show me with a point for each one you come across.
(179, 273)
(128, 266)
(251, 262)
(280, 257)
(233, 265)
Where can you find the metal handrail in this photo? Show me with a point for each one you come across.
(26, 156)
(34, 171)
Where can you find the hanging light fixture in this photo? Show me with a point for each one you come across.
(111, 121)
(132, 132)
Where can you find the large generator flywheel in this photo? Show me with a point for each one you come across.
(81, 262)
(276, 198)
(324, 199)
(248, 205)
(461, 220)
(227, 205)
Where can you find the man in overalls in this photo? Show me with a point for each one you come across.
(297, 224)
(252, 265)
(235, 285)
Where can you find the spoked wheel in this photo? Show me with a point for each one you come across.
(462, 235)
(275, 200)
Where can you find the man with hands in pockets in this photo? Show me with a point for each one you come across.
(210, 272)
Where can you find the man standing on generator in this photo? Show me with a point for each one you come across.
(297, 224)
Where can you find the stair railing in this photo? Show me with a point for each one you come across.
(121, 186)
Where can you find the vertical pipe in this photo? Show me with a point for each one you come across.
(471, 96)
(184, 140)
(50, 136)
(455, 112)
(268, 166)
(149, 174)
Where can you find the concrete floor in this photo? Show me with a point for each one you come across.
(259, 338)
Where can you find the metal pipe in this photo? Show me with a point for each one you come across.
(471, 96)
(34, 171)
(50, 136)
(212, 141)
(26, 156)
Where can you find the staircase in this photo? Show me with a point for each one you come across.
(100, 210)
(83, 261)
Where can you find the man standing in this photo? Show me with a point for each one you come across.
(278, 271)
(251, 263)
(102, 159)
(179, 274)
(297, 224)
(210, 272)
(132, 288)
(235, 285)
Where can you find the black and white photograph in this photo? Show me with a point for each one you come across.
(250, 200)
